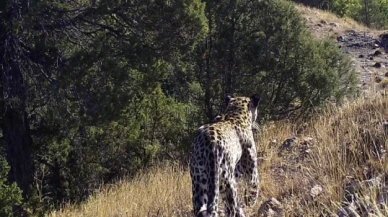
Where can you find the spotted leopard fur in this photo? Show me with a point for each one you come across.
(224, 150)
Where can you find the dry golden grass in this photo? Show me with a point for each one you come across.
(330, 151)
(329, 17)
(325, 24)
(342, 149)
(162, 191)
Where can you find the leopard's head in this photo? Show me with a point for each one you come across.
(242, 109)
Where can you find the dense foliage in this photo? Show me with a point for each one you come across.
(95, 90)
(10, 194)
(263, 47)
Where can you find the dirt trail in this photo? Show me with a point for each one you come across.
(363, 45)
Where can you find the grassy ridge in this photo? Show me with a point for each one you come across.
(329, 151)
(162, 191)
(337, 152)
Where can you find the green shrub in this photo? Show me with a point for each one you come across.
(265, 47)
(10, 194)
(297, 73)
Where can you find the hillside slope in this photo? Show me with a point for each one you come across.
(333, 164)
(308, 168)
(362, 44)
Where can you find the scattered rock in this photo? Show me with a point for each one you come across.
(271, 208)
(273, 142)
(361, 56)
(316, 191)
(334, 24)
(377, 65)
(320, 25)
(340, 38)
(377, 53)
(371, 58)
(288, 144)
(356, 44)
(350, 32)
(360, 199)
(309, 141)
(384, 41)
(323, 22)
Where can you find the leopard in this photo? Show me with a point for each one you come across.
(223, 152)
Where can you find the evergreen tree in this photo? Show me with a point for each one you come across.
(264, 47)
(95, 90)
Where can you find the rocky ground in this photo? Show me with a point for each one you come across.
(368, 50)
(333, 165)
(366, 47)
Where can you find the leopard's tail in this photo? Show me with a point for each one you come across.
(206, 186)
(214, 180)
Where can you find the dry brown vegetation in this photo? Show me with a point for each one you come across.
(315, 20)
(161, 191)
(340, 146)
(330, 151)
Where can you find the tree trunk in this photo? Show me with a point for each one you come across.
(366, 10)
(17, 138)
(208, 71)
(15, 126)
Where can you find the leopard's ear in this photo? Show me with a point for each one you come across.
(255, 99)
(218, 118)
(228, 97)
